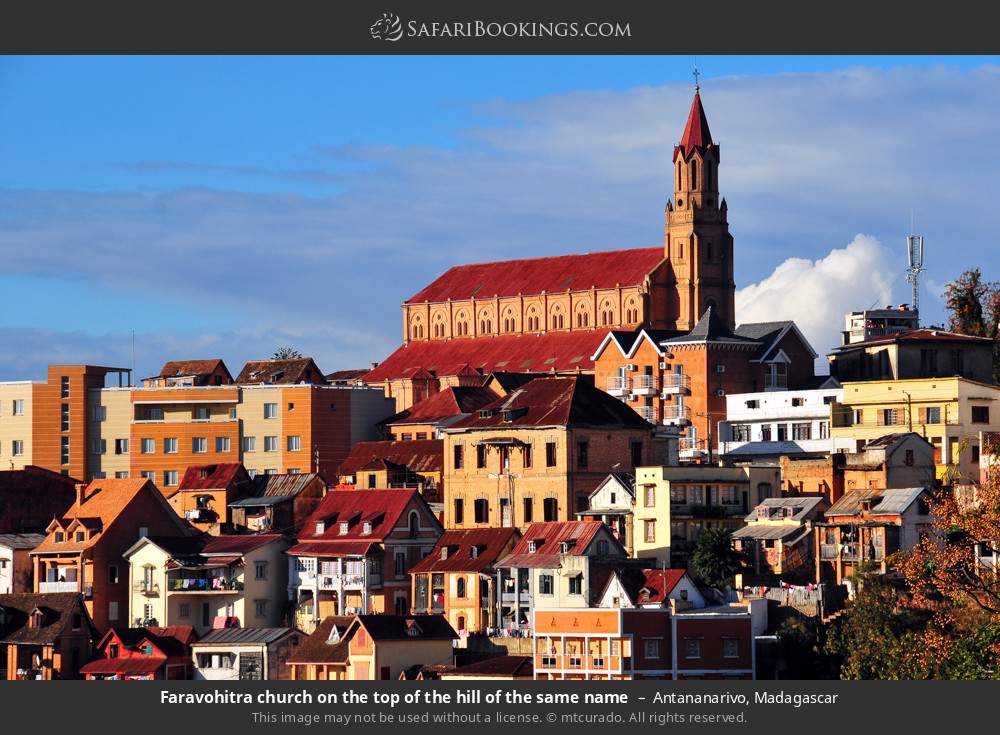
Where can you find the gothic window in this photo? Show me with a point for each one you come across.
(694, 175)
(678, 176)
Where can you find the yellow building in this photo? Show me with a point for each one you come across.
(948, 412)
(673, 505)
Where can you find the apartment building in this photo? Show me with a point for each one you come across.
(458, 577)
(84, 548)
(675, 504)
(950, 412)
(205, 492)
(771, 424)
(870, 324)
(557, 564)
(354, 553)
(681, 379)
(778, 536)
(913, 354)
(208, 581)
(423, 420)
(537, 454)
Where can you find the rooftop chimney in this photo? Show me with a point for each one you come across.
(80, 487)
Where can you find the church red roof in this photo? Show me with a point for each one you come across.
(514, 353)
(696, 132)
(555, 274)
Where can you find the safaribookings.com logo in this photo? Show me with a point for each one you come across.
(390, 28)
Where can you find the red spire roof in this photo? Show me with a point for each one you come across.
(696, 132)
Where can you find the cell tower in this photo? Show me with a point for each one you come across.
(915, 258)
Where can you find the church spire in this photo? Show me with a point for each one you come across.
(696, 136)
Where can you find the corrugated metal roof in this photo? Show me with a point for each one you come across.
(213, 476)
(802, 506)
(283, 484)
(423, 455)
(555, 274)
(547, 539)
(21, 540)
(243, 635)
(768, 531)
(489, 543)
(884, 502)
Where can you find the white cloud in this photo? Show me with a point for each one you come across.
(816, 294)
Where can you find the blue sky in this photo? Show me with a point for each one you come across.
(225, 205)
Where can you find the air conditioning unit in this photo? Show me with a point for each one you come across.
(630, 368)
(720, 392)
(663, 366)
(720, 368)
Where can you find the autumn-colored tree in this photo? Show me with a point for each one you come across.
(974, 309)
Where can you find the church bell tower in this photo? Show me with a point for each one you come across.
(697, 242)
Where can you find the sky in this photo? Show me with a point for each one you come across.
(225, 206)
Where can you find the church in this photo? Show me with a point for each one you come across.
(552, 315)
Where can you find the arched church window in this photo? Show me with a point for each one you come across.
(694, 175)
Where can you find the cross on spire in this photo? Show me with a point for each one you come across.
(697, 76)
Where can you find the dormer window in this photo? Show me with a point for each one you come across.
(81, 536)
(60, 537)
(344, 528)
(564, 547)
(412, 629)
(203, 474)
(37, 619)
(366, 529)
(475, 551)
(444, 553)
(320, 528)
(532, 547)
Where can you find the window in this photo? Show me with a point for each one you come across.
(741, 432)
(202, 413)
(270, 444)
(184, 610)
(582, 454)
(17, 448)
(294, 443)
(980, 414)
(727, 495)
(121, 475)
(64, 386)
(249, 444)
(730, 648)
(576, 584)
(651, 647)
(636, 450)
(291, 406)
(170, 445)
(933, 415)
(678, 494)
(649, 496)
(112, 574)
(18, 408)
(270, 410)
(260, 608)
(782, 432)
(649, 531)
(147, 446)
(798, 401)
(121, 446)
(113, 610)
(550, 454)
(550, 510)
(147, 474)
(199, 444)
(692, 648)
(526, 456)
(60, 537)
(602, 548)
(400, 563)
(480, 456)
(63, 450)
(222, 444)
(545, 585)
(64, 417)
(801, 431)
(460, 590)
(527, 510)
(457, 456)
(80, 537)
(169, 478)
(260, 570)
(481, 508)
(753, 404)
(824, 429)
(765, 432)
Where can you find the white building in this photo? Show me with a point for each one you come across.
(861, 326)
(775, 423)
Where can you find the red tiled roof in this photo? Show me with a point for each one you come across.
(381, 507)
(518, 353)
(921, 335)
(553, 274)
(331, 548)
(217, 476)
(424, 455)
(448, 403)
(176, 368)
(696, 136)
(489, 543)
(291, 371)
(553, 402)
(548, 537)
(133, 665)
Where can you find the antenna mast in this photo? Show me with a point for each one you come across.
(915, 266)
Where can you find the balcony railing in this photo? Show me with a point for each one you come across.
(644, 385)
(617, 385)
(204, 584)
(147, 588)
(674, 383)
(59, 586)
(689, 444)
(775, 382)
(676, 415)
(828, 551)
(648, 413)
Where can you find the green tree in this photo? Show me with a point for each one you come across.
(286, 353)
(973, 306)
(715, 562)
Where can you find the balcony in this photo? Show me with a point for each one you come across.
(828, 552)
(689, 447)
(204, 584)
(775, 382)
(644, 385)
(648, 413)
(676, 416)
(329, 582)
(149, 589)
(618, 386)
(59, 586)
(675, 384)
